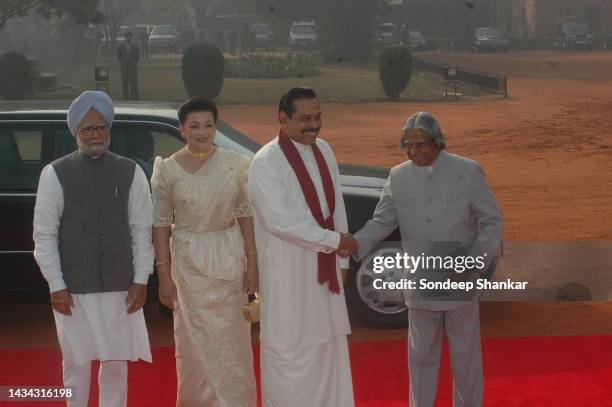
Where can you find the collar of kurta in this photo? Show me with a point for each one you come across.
(326, 262)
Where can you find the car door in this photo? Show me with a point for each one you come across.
(22, 157)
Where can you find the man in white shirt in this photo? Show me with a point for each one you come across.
(300, 229)
(92, 235)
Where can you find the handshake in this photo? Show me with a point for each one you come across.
(348, 245)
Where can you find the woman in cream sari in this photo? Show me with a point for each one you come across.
(203, 236)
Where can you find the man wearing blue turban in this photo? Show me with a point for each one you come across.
(92, 235)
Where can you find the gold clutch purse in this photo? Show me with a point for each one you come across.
(251, 310)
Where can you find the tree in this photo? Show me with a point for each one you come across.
(82, 12)
(163, 7)
(345, 26)
(292, 9)
(200, 7)
(15, 8)
(351, 25)
(115, 13)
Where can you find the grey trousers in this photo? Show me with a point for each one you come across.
(425, 333)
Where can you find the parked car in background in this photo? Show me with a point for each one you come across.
(303, 34)
(413, 40)
(263, 35)
(121, 33)
(34, 133)
(489, 39)
(140, 29)
(387, 33)
(163, 38)
(574, 35)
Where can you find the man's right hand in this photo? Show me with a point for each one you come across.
(348, 245)
(61, 301)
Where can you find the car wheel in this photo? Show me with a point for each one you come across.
(376, 307)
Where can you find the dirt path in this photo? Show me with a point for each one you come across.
(547, 150)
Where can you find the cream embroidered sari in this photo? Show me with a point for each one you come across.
(213, 342)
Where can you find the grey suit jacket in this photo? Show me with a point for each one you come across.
(454, 203)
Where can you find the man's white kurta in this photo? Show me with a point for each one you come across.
(100, 327)
(298, 314)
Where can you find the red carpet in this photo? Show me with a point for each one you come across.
(541, 371)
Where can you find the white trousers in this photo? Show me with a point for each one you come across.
(112, 382)
(425, 333)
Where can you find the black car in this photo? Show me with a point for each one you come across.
(489, 39)
(32, 134)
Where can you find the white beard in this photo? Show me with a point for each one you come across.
(93, 151)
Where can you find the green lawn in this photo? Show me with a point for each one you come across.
(346, 85)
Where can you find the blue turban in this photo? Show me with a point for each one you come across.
(90, 99)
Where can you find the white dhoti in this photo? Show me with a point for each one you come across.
(317, 375)
(101, 329)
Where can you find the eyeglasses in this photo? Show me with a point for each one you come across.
(421, 145)
(102, 130)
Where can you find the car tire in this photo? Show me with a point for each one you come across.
(364, 307)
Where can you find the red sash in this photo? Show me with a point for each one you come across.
(326, 261)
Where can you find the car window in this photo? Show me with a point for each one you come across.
(64, 143)
(223, 141)
(303, 29)
(164, 30)
(142, 142)
(139, 142)
(20, 152)
(165, 144)
(489, 31)
(416, 35)
(261, 29)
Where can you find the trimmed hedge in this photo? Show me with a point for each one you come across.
(16, 76)
(395, 69)
(202, 69)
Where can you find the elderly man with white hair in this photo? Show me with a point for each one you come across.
(92, 234)
(437, 198)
